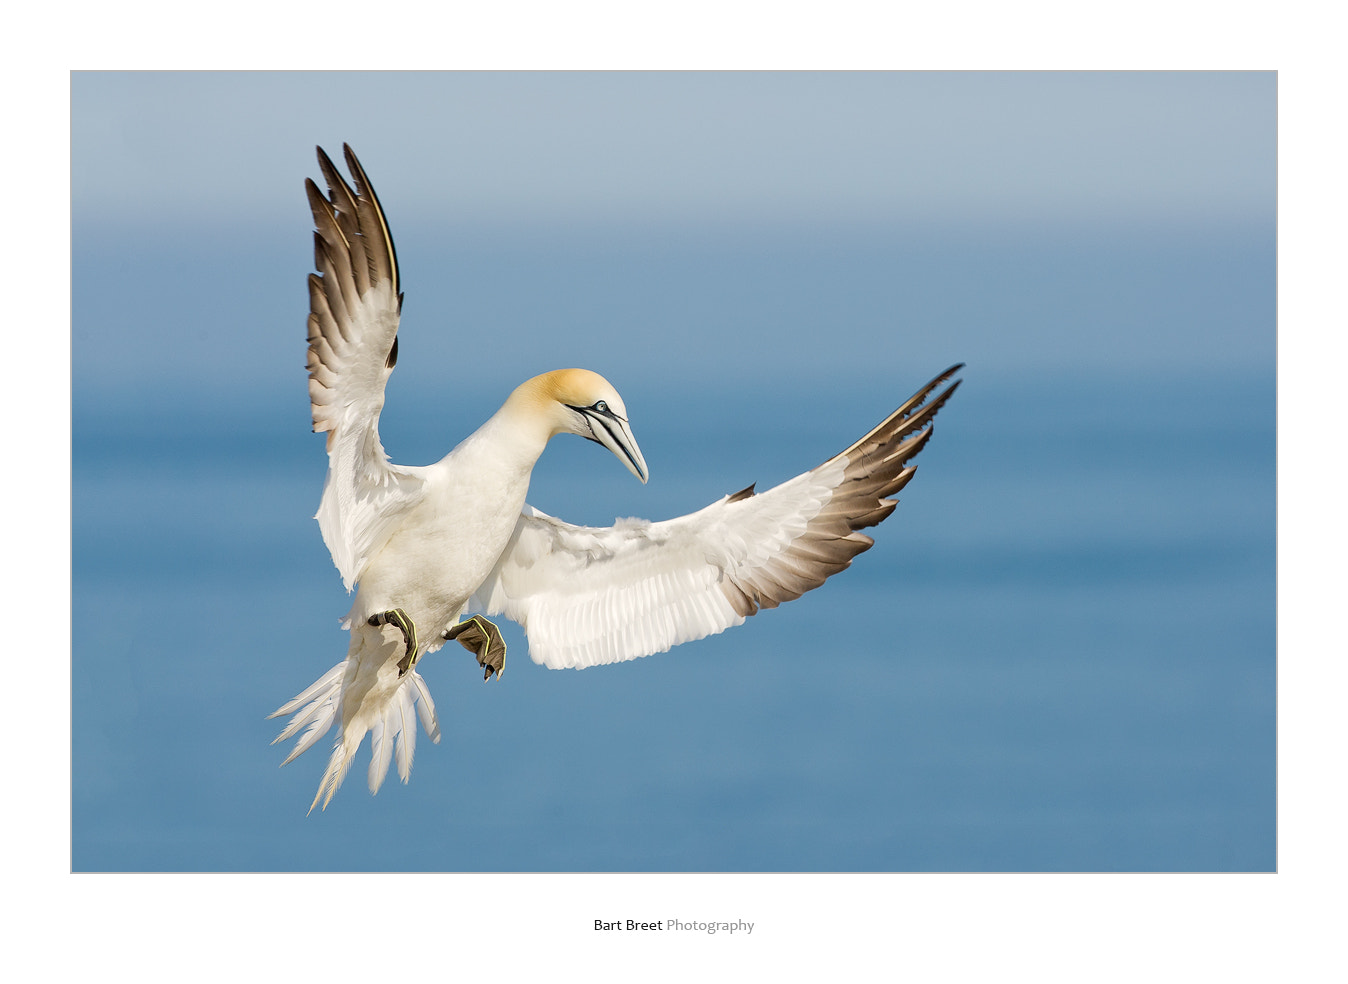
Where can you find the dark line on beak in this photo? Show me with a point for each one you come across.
(617, 439)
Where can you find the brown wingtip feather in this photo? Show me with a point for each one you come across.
(875, 468)
(383, 261)
(353, 254)
(914, 412)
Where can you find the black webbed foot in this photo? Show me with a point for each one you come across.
(406, 626)
(483, 639)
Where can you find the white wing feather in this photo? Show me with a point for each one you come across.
(587, 596)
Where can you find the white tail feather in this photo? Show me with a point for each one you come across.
(426, 710)
(394, 725)
(381, 748)
(342, 755)
(323, 685)
(407, 739)
(318, 714)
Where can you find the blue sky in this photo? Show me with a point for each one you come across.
(783, 256)
(676, 148)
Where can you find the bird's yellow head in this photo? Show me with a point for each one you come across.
(578, 401)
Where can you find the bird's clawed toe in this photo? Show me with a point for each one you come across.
(408, 628)
(483, 639)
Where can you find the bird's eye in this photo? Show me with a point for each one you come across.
(601, 406)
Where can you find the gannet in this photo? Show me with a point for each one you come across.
(426, 546)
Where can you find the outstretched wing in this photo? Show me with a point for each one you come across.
(587, 596)
(354, 305)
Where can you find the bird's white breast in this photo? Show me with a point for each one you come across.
(450, 540)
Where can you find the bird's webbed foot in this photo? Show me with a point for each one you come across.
(408, 628)
(483, 639)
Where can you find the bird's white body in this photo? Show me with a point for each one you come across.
(444, 544)
(447, 540)
(424, 546)
(430, 538)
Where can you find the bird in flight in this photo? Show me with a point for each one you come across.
(433, 550)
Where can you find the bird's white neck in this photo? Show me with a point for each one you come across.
(512, 439)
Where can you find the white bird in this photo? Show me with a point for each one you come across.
(428, 545)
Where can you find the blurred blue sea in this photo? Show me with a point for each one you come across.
(1059, 655)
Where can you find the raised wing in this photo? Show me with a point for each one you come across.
(587, 595)
(354, 304)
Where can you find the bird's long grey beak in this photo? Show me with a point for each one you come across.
(615, 434)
